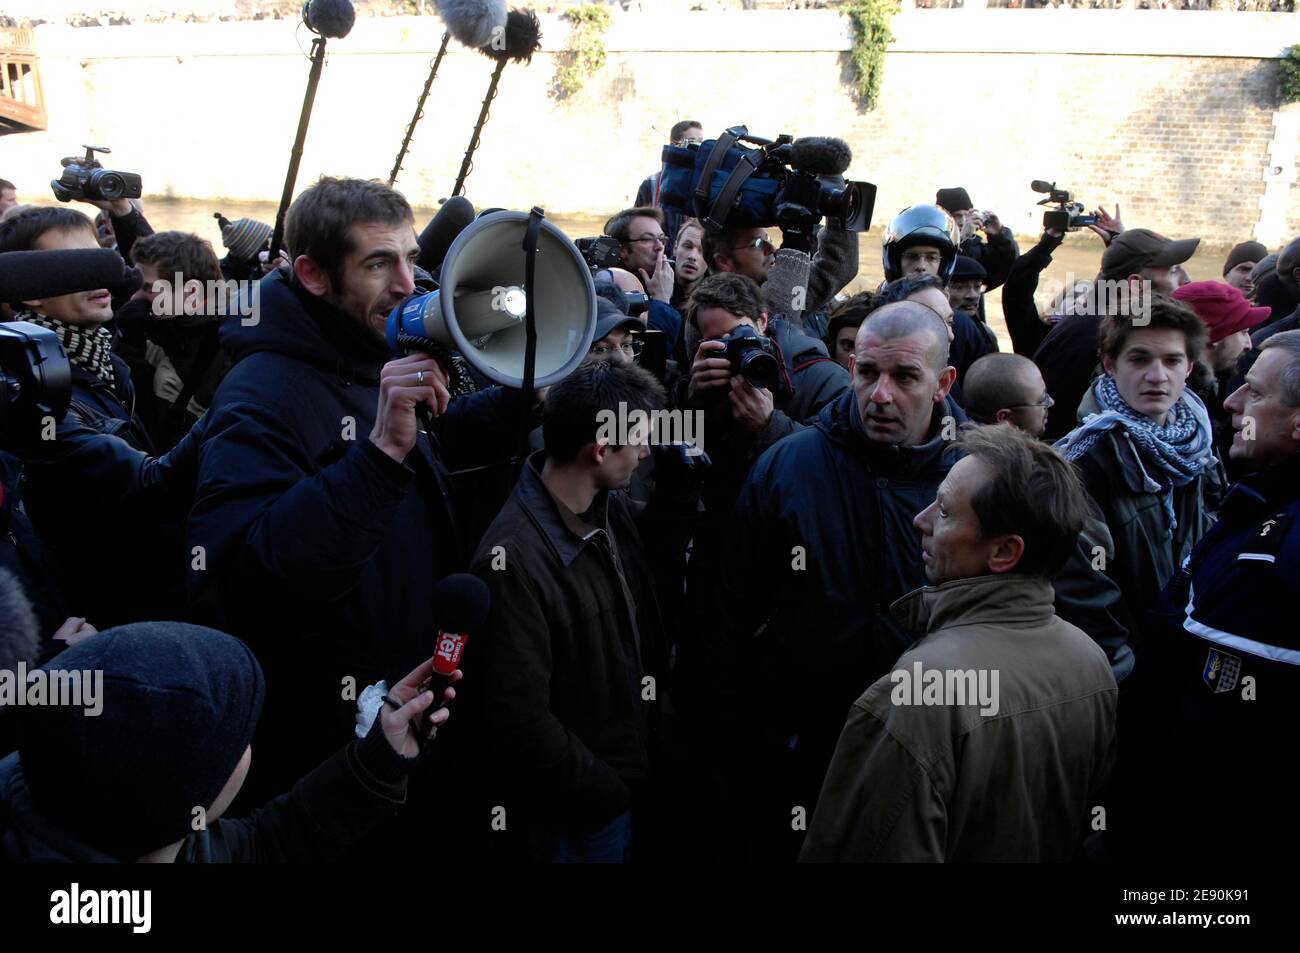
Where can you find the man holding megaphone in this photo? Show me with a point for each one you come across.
(324, 513)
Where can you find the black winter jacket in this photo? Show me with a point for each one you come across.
(574, 628)
(1026, 328)
(319, 550)
(107, 509)
(821, 544)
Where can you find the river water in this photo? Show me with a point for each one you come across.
(1080, 255)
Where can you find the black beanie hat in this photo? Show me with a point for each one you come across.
(179, 705)
(1252, 252)
(953, 200)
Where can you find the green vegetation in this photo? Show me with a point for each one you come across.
(1289, 72)
(585, 54)
(871, 36)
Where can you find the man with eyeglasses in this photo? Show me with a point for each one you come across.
(643, 247)
(1008, 388)
(799, 279)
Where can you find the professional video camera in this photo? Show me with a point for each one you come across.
(35, 378)
(753, 355)
(599, 252)
(786, 182)
(1067, 216)
(85, 178)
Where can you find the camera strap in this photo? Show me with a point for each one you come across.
(703, 185)
(745, 167)
(530, 316)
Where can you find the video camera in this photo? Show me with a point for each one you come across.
(786, 182)
(1067, 216)
(600, 252)
(86, 179)
(35, 377)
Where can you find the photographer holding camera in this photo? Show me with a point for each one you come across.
(99, 498)
(774, 379)
(995, 253)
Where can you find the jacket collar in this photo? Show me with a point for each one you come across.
(1253, 494)
(840, 421)
(296, 323)
(562, 529)
(1009, 599)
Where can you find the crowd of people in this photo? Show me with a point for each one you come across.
(900, 595)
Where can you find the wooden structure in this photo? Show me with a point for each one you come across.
(22, 103)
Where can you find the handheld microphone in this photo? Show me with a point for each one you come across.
(821, 155)
(461, 603)
(329, 18)
(452, 219)
(473, 22)
(28, 275)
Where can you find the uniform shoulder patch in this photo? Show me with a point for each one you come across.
(1222, 671)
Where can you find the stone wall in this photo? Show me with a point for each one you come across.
(1171, 114)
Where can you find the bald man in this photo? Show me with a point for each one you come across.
(1007, 388)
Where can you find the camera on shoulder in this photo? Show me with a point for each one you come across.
(743, 181)
(85, 179)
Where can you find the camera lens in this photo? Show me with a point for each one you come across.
(108, 185)
(760, 369)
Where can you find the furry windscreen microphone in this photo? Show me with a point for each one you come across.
(523, 37)
(473, 22)
(821, 155)
(329, 18)
(452, 219)
(28, 275)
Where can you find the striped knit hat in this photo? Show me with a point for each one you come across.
(243, 237)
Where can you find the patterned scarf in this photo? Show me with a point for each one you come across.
(1179, 451)
(88, 348)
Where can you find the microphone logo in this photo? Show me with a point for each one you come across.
(447, 652)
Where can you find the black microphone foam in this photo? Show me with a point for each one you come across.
(461, 603)
(821, 155)
(451, 220)
(26, 275)
(330, 18)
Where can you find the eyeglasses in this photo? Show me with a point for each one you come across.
(1045, 403)
(656, 239)
(631, 349)
(760, 243)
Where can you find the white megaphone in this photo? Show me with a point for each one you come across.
(479, 309)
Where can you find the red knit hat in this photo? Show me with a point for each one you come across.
(1222, 308)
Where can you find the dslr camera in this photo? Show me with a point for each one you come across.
(1067, 216)
(753, 355)
(84, 178)
(787, 182)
